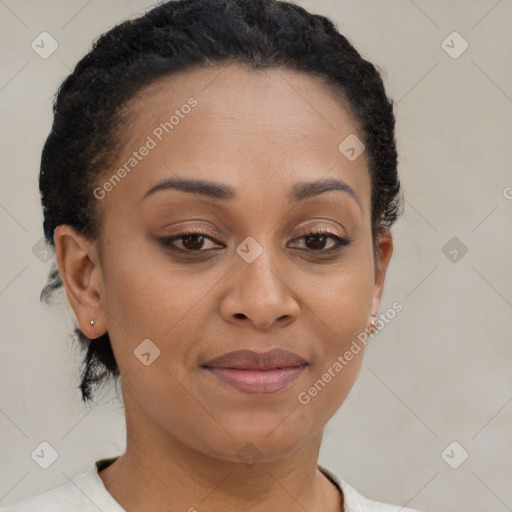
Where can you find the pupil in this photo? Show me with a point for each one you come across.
(317, 237)
(196, 241)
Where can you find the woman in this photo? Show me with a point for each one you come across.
(219, 185)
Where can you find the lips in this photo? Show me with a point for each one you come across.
(254, 373)
(249, 360)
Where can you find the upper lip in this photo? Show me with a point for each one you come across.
(249, 360)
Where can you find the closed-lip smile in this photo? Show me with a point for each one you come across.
(253, 372)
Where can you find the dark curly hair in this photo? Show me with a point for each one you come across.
(180, 35)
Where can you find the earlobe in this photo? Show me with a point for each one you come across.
(78, 265)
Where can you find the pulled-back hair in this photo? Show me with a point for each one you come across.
(177, 36)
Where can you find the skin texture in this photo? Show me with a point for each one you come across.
(260, 132)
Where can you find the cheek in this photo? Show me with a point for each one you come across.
(342, 297)
(340, 312)
(150, 298)
(345, 300)
(144, 293)
(151, 311)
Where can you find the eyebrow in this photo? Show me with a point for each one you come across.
(299, 192)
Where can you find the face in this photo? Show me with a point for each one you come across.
(257, 258)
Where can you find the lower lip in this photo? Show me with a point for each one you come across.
(258, 381)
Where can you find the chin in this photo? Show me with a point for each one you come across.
(252, 443)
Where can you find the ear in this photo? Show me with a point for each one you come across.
(78, 262)
(382, 254)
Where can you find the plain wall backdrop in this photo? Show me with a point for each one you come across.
(428, 421)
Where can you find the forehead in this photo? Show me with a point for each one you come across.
(234, 90)
(261, 131)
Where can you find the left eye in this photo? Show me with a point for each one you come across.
(318, 240)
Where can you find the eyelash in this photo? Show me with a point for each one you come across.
(340, 242)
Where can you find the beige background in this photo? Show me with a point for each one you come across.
(439, 372)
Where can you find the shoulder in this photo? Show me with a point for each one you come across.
(355, 502)
(63, 498)
(85, 492)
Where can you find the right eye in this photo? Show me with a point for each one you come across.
(191, 241)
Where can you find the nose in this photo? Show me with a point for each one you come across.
(259, 294)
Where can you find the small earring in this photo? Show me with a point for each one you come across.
(92, 322)
(373, 321)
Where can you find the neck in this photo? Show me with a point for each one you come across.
(158, 469)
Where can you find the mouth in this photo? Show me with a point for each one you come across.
(252, 372)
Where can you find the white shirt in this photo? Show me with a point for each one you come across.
(87, 493)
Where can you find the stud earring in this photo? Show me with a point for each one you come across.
(92, 322)
(373, 321)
